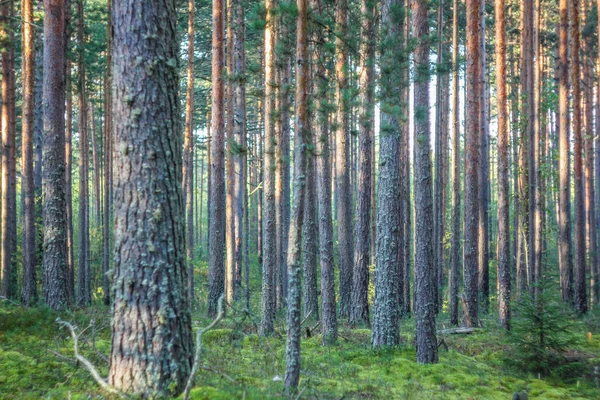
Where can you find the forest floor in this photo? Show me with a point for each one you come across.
(36, 361)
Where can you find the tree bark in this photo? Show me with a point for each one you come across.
(424, 268)
(55, 241)
(151, 330)
(472, 171)
(303, 155)
(359, 313)
(342, 167)
(503, 170)
(310, 246)
(216, 227)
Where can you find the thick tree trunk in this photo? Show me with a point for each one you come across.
(55, 240)
(359, 313)
(579, 240)
(84, 296)
(424, 268)
(455, 262)
(389, 262)
(303, 143)
(8, 270)
(269, 252)
(216, 228)
(151, 330)
(565, 252)
(342, 166)
(503, 170)
(29, 292)
(472, 171)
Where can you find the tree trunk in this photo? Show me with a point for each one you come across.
(359, 313)
(216, 228)
(472, 171)
(108, 156)
(269, 232)
(342, 166)
(389, 263)
(565, 252)
(8, 122)
(151, 331)
(231, 150)
(55, 240)
(310, 246)
(456, 161)
(424, 295)
(29, 292)
(96, 165)
(84, 296)
(503, 168)
(303, 156)
(579, 240)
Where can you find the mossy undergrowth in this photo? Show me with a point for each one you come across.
(236, 363)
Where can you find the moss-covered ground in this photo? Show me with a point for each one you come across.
(35, 361)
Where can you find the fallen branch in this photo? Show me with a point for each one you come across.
(86, 363)
(224, 375)
(456, 331)
(199, 333)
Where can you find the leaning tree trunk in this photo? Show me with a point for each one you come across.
(302, 149)
(151, 330)
(424, 295)
(55, 240)
(29, 292)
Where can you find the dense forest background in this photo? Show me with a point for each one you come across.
(354, 198)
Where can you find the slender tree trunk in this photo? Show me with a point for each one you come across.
(456, 161)
(406, 210)
(472, 170)
(359, 313)
(579, 240)
(108, 156)
(424, 295)
(386, 307)
(310, 246)
(8, 127)
(320, 125)
(151, 331)
(69, 162)
(342, 166)
(84, 296)
(188, 150)
(29, 292)
(216, 235)
(231, 150)
(55, 241)
(96, 164)
(503, 168)
(269, 252)
(565, 252)
(303, 143)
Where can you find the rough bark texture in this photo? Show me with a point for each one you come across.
(29, 291)
(565, 252)
(503, 170)
(108, 173)
(472, 137)
(55, 229)
(359, 313)
(388, 258)
(84, 296)
(8, 270)
(303, 156)
(342, 166)
(455, 243)
(216, 225)
(269, 254)
(424, 268)
(322, 134)
(151, 329)
(406, 210)
(579, 239)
